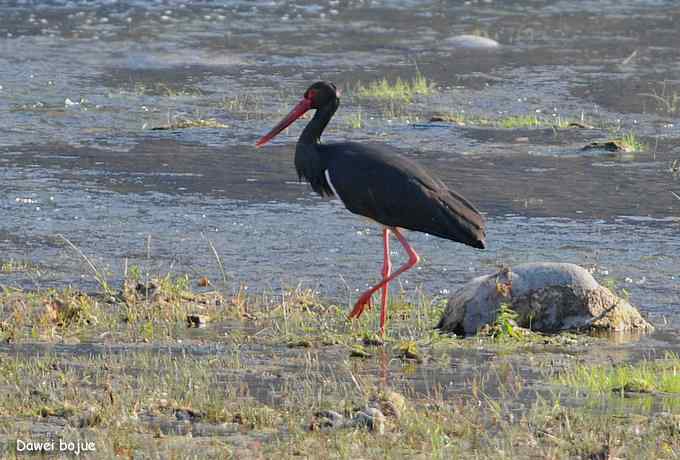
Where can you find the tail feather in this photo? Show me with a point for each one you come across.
(463, 221)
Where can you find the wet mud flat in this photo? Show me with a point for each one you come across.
(134, 207)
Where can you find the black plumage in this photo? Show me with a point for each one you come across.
(379, 183)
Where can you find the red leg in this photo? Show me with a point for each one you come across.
(387, 269)
(365, 298)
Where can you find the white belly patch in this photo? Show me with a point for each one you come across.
(328, 179)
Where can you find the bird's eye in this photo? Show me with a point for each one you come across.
(311, 94)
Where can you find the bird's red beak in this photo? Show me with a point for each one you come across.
(299, 110)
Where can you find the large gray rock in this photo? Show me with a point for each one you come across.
(547, 297)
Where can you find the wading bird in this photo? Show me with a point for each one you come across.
(379, 183)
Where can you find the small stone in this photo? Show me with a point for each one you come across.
(203, 281)
(473, 42)
(146, 290)
(359, 352)
(390, 403)
(302, 343)
(195, 320)
(370, 418)
(610, 146)
(64, 411)
(187, 414)
(91, 417)
(373, 341)
(327, 420)
(408, 350)
(579, 125)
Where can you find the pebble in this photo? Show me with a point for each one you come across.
(195, 320)
(370, 418)
(472, 42)
(327, 420)
(187, 415)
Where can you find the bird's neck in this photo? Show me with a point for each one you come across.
(312, 132)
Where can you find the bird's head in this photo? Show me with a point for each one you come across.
(320, 94)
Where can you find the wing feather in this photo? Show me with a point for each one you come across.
(396, 191)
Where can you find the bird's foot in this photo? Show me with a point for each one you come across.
(365, 300)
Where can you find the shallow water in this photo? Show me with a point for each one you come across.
(83, 83)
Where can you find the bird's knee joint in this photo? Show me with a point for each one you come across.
(386, 270)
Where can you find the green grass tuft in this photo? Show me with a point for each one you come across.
(648, 376)
(398, 91)
(520, 121)
(16, 266)
(188, 123)
(528, 121)
(631, 143)
(506, 322)
(356, 120)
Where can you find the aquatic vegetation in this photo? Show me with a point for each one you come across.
(246, 106)
(355, 120)
(631, 143)
(646, 376)
(628, 143)
(188, 123)
(243, 102)
(161, 89)
(519, 121)
(666, 97)
(16, 266)
(397, 91)
(506, 325)
(98, 274)
(528, 121)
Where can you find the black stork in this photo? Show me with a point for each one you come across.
(379, 183)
